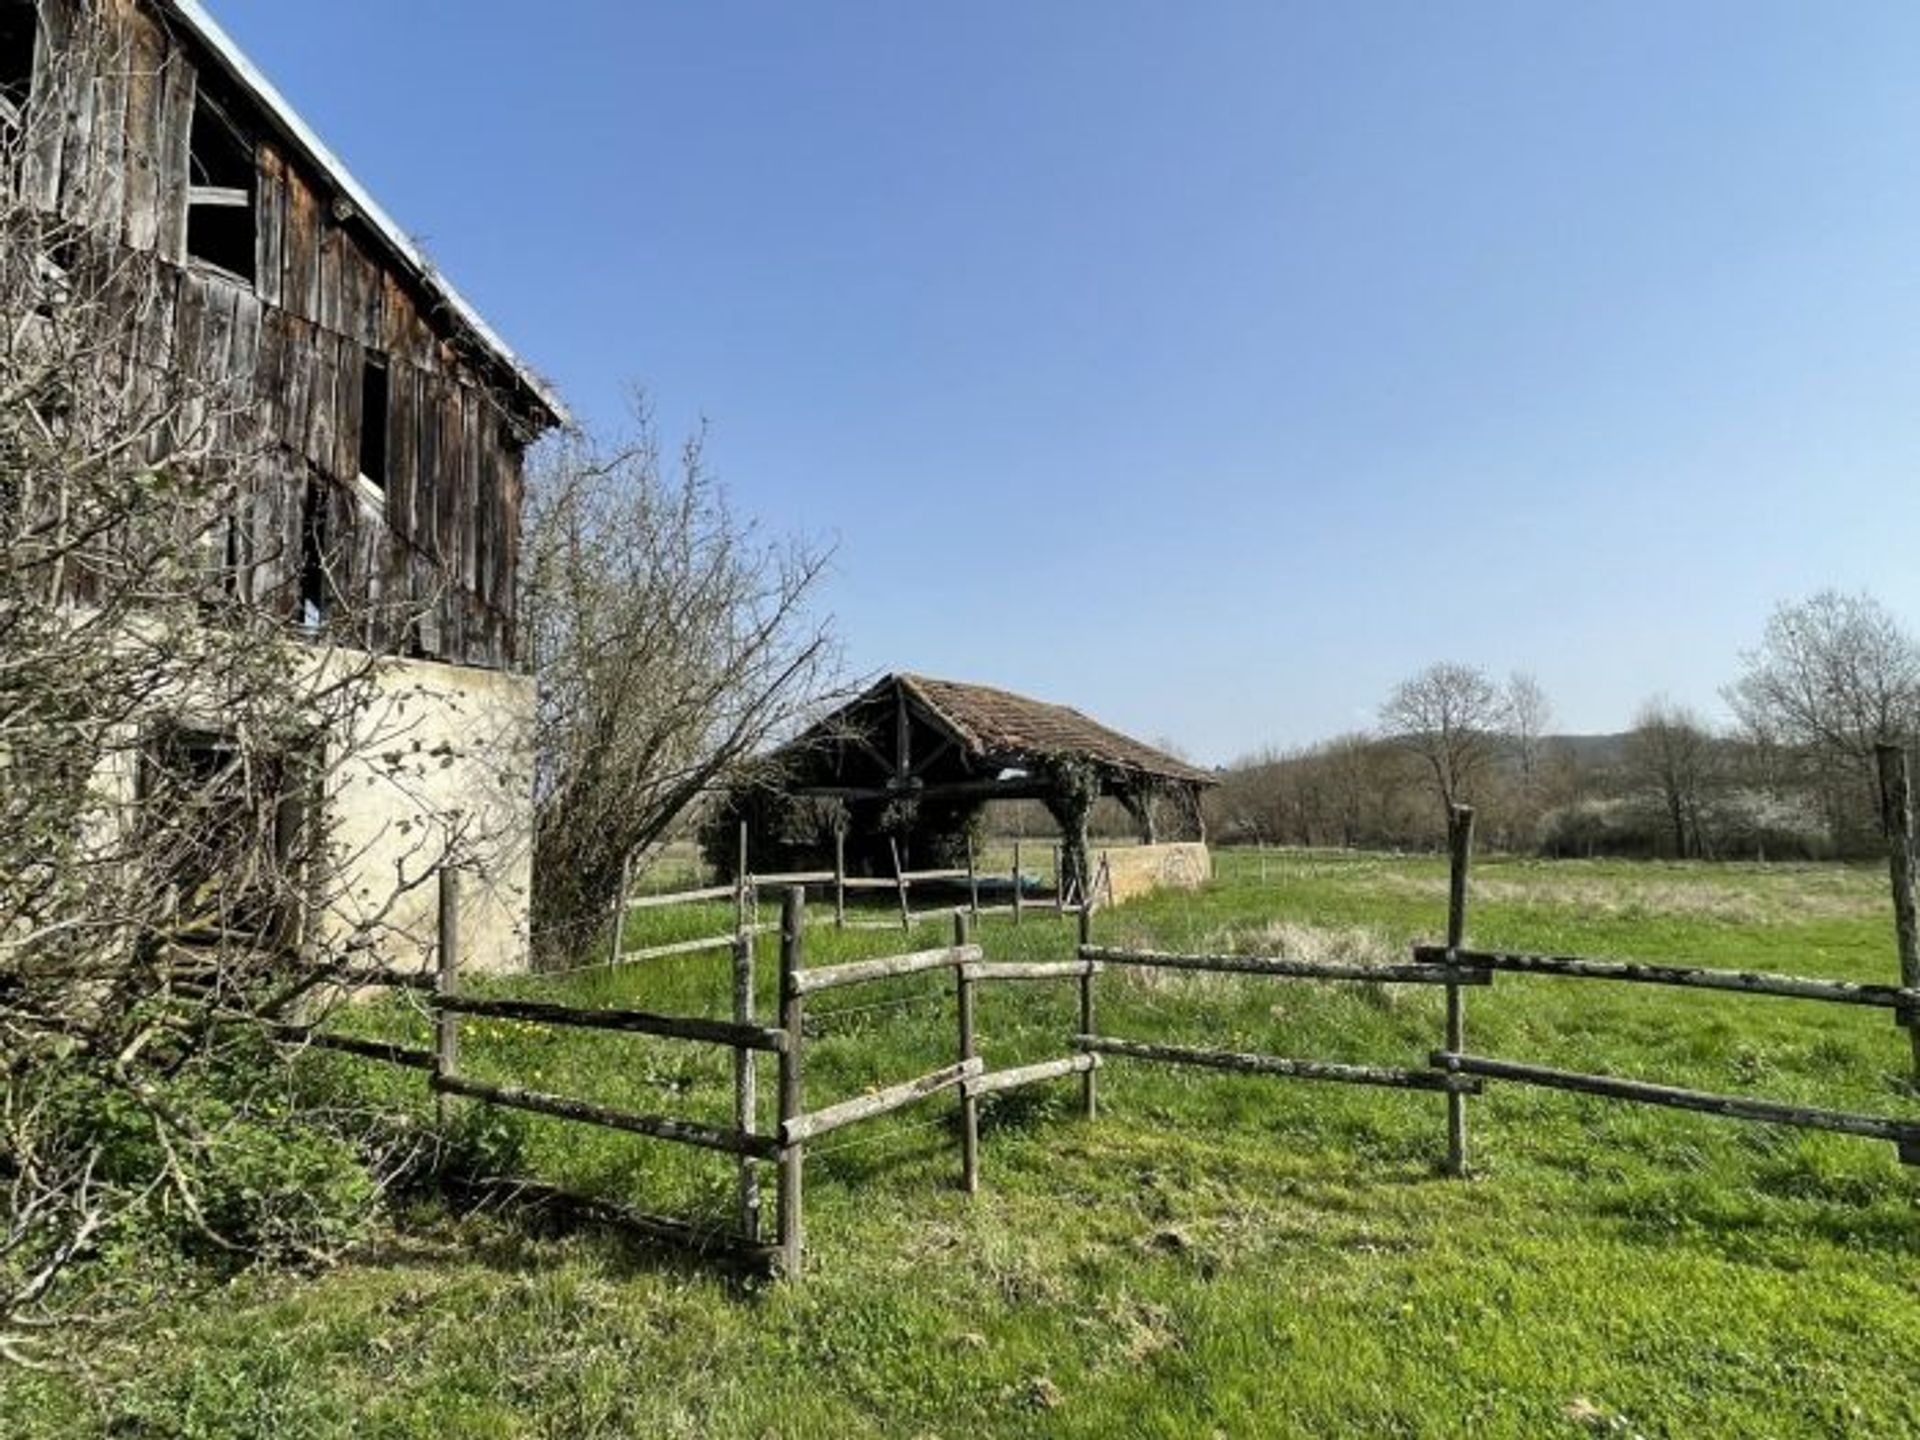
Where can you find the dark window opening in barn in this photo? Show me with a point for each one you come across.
(313, 558)
(220, 823)
(18, 26)
(374, 398)
(220, 194)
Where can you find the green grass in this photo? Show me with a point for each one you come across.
(1213, 1255)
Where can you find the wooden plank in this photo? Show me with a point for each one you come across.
(1031, 970)
(675, 947)
(911, 875)
(179, 87)
(887, 967)
(867, 882)
(270, 270)
(811, 1126)
(146, 59)
(626, 1022)
(680, 897)
(1390, 1077)
(1746, 982)
(1278, 968)
(805, 877)
(657, 1127)
(1731, 1107)
(409, 1056)
(997, 1081)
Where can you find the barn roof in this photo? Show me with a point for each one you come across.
(1000, 727)
(241, 71)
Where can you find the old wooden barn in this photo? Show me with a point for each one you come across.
(385, 423)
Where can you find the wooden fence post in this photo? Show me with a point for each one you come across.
(840, 877)
(900, 879)
(973, 882)
(969, 1103)
(1460, 857)
(1016, 882)
(1896, 809)
(446, 1033)
(620, 911)
(746, 1097)
(1089, 1104)
(792, 1020)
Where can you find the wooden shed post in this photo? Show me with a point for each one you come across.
(446, 1033)
(1059, 883)
(969, 1102)
(1896, 808)
(840, 877)
(620, 911)
(1460, 857)
(1089, 1104)
(1016, 882)
(973, 882)
(792, 1020)
(900, 880)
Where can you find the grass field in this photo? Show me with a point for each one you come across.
(1214, 1255)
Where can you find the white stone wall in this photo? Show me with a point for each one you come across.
(441, 765)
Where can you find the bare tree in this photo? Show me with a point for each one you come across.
(1671, 751)
(671, 641)
(1529, 713)
(1835, 675)
(1835, 672)
(1451, 717)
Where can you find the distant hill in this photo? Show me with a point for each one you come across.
(1594, 750)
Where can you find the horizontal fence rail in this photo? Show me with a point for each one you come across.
(682, 897)
(881, 1102)
(1692, 977)
(887, 967)
(1020, 1076)
(1388, 1076)
(632, 1022)
(1031, 970)
(1284, 969)
(659, 1127)
(1733, 1107)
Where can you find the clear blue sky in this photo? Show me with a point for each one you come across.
(1211, 365)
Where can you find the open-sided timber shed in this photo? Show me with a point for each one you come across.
(914, 758)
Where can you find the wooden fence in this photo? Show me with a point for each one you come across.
(1459, 1073)
(1452, 1070)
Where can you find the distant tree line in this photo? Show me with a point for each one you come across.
(1789, 776)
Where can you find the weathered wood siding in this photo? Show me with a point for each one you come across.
(434, 569)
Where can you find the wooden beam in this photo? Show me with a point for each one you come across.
(1690, 977)
(627, 1022)
(887, 967)
(1732, 1107)
(1391, 1077)
(802, 1128)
